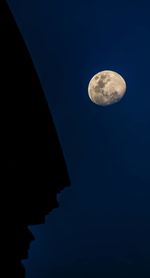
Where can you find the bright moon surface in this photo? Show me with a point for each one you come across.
(106, 87)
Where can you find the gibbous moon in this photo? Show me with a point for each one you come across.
(106, 87)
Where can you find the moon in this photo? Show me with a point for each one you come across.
(106, 87)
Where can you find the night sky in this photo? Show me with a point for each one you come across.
(102, 227)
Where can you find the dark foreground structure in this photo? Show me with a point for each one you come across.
(33, 169)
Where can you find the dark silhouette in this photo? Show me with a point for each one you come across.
(33, 168)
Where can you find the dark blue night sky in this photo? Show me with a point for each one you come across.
(102, 227)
